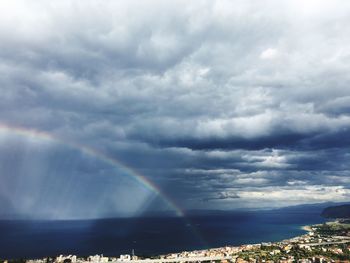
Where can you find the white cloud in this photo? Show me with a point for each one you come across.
(292, 195)
(269, 53)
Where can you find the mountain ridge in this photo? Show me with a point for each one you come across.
(338, 211)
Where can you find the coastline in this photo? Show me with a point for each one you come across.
(306, 228)
(301, 247)
(233, 231)
(312, 246)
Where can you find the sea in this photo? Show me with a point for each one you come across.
(147, 236)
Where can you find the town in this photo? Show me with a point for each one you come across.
(328, 242)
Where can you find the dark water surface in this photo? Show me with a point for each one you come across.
(147, 236)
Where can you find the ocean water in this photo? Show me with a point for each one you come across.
(147, 236)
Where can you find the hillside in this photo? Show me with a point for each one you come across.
(341, 211)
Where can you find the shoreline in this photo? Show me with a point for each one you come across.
(240, 247)
(303, 246)
(306, 228)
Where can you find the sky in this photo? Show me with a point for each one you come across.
(218, 104)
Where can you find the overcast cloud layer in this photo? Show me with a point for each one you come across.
(222, 104)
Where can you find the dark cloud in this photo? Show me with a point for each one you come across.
(221, 196)
(210, 100)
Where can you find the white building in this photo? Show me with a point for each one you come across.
(125, 257)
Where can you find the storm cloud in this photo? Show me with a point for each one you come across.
(221, 104)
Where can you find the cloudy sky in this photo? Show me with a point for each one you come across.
(221, 104)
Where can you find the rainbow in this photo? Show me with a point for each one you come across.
(41, 135)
